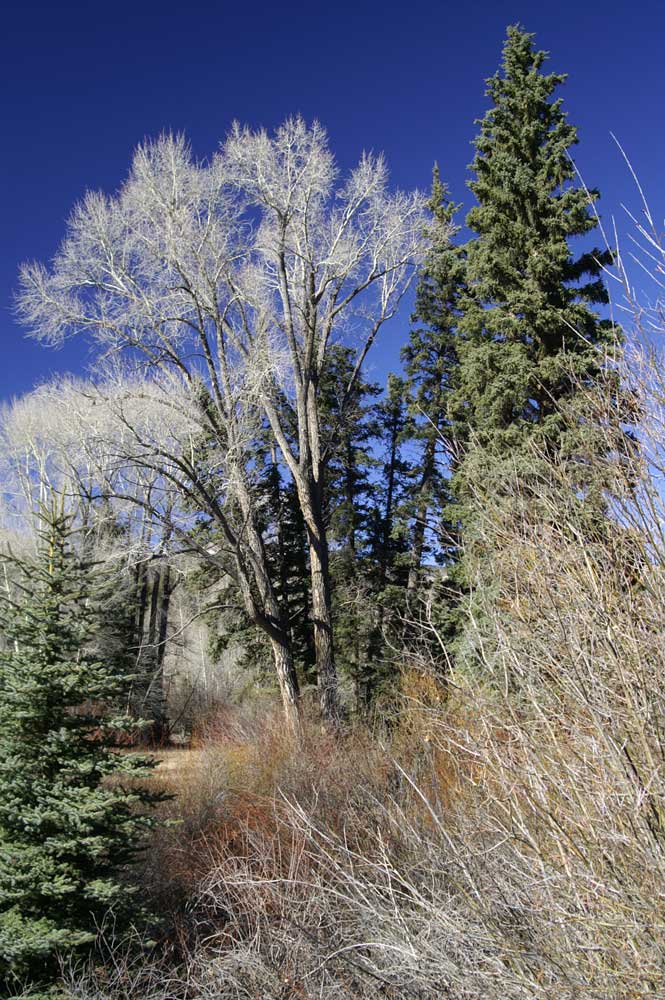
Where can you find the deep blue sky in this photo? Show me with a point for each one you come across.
(84, 83)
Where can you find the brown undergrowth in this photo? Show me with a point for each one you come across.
(237, 779)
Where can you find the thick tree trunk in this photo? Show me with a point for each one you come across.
(288, 683)
(322, 619)
(310, 493)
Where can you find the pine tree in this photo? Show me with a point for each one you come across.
(529, 335)
(69, 824)
(430, 364)
(349, 429)
(386, 563)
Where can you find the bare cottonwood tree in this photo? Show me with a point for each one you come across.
(233, 278)
(59, 441)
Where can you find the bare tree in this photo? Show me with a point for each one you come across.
(323, 259)
(142, 445)
(232, 279)
(58, 440)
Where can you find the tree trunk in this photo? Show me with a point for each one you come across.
(269, 615)
(288, 683)
(141, 610)
(141, 590)
(160, 718)
(422, 508)
(322, 618)
(310, 494)
(150, 680)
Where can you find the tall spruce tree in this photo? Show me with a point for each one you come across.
(529, 335)
(69, 824)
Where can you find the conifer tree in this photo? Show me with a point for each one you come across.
(69, 824)
(393, 423)
(286, 546)
(386, 568)
(430, 364)
(529, 332)
(349, 429)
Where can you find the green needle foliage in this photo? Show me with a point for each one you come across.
(72, 813)
(431, 367)
(529, 333)
(429, 515)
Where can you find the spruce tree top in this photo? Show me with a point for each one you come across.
(527, 319)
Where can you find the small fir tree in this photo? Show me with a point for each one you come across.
(72, 814)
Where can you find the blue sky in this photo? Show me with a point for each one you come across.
(83, 84)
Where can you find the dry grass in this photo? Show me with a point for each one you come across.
(233, 782)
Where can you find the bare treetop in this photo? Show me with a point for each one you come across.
(262, 252)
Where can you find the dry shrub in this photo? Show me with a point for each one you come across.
(329, 772)
(565, 739)
(229, 786)
(435, 782)
(517, 850)
(510, 845)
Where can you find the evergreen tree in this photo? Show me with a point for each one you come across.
(69, 824)
(386, 565)
(349, 429)
(425, 528)
(430, 364)
(529, 335)
(286, 547)
(388, 545)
